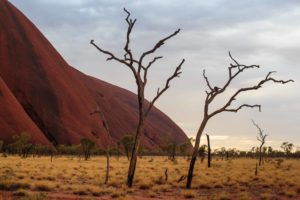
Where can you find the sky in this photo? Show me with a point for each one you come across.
(263, 32)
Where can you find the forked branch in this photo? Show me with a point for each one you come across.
(157, 46)
(240, 68)
(176, 74)
(261, 136)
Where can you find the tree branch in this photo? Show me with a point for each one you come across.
(158, 45)
(207, 81)
(113, 57)
(242, 106)
(261, 136)
(176, 73)
(148, 66)
(240, 68)
(130, 23)
(256, 87)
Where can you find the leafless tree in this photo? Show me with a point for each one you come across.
(105, 125)
(234, 70)
(140, 72)
(262, 138)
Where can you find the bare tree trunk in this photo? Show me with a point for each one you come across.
(208, 151)
(133, 160)
(195, 153)
(260, 156)
(262, 138)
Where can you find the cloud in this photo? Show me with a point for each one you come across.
(219, 137)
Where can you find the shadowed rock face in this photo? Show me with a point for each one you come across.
(57, 99)
(13, 118)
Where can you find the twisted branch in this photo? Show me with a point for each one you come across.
(157, 46)
(176, 73)
(240, 68)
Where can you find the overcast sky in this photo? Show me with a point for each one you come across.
(264, 32)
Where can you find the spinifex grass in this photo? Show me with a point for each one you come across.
(224, 180)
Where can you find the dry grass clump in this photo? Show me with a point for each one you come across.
(21, 193)
(222, 196)
(290, 193)
(118, 194)
(225, 179)
(44, 186)
(10, 185)
(189, 194)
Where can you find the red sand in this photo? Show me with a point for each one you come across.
(58, 98)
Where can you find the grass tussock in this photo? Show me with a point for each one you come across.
(233, 179)
(44, 186)
(189, 194)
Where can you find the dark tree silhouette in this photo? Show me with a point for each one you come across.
(140, 72)
(208, 151)
(287, 148)
(202, 151)
(234, 70)
(262, 138)
(21, 144)
(127, 141)
(87, 146)
(183, 148)
(171, 149)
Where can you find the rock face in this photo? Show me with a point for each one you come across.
(13, 118)
(45, 96)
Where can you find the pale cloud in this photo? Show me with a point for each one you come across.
(219, 137)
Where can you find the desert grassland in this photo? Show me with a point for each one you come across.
(39, 178)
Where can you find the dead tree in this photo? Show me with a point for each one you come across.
(262, 138)
(105, 125)
(140, 70)
(233, 71)
(208, 151)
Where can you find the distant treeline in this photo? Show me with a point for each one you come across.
(22, 146)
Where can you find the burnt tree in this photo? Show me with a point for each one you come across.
(234, 70)
(262, 138)
(140, 70)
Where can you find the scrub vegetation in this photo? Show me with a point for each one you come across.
(72, 177)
